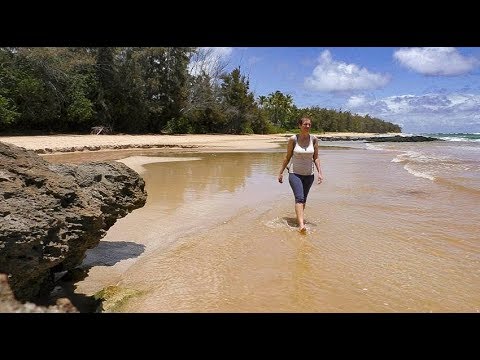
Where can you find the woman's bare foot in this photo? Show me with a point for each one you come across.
(303, 230)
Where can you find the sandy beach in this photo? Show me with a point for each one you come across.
(70, 143)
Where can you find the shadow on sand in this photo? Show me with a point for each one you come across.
(292, 222)
(106, 253)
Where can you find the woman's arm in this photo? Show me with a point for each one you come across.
(286, 160)
(316, 160)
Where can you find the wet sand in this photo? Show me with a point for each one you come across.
(218, 235)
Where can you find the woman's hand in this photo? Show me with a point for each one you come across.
(280, 178)
(320, 179)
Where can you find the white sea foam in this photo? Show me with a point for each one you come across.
(419, 173)
(279, 223)
(456, 138)
(377, 147)
(406, 156)
(415, 156)
(414, 159)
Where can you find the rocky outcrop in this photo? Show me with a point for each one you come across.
(398, 138)
(50, 214)
(112, 147)
(8, 303)
(395, 138)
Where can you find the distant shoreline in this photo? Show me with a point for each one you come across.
(44, 144)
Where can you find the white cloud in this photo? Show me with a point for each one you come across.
(211, 60)
(336, 76)
(435, 61)
(356, 101)
(435, 112)
(252, 60)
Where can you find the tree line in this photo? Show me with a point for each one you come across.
(142, 90)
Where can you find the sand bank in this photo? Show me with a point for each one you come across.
(71, 143)
(136, 162)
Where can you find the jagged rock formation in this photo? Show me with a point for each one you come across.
(110, 147)
(396, 138)
(50, 214)
(8, 303)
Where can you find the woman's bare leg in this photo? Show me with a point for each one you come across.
(299, 211)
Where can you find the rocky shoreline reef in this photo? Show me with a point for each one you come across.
(376, 138)
(50, 215)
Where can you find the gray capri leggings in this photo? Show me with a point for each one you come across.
(300, 185)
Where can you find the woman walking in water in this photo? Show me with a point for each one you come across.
(303, 150)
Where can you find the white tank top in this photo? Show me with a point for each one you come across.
(302, 158)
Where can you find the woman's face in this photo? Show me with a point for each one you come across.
(306, 124)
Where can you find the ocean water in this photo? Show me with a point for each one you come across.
(393, 228)
(453, 162)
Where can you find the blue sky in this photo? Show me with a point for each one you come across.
(424, 90)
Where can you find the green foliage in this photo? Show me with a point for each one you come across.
(147, 89)
(39, 82)
(37, 103)
(202, 106)
(80, 107)
(80, 110)
(238, 103)
(131, 111)
(7, 112)
(280, 109)
(108, 81)
(179, 126)
(261, 123)
(327, 120)
(164, 75)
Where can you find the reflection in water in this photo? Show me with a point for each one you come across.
(174, 184)
(301, 274)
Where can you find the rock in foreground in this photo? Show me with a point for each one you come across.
(50, 214)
